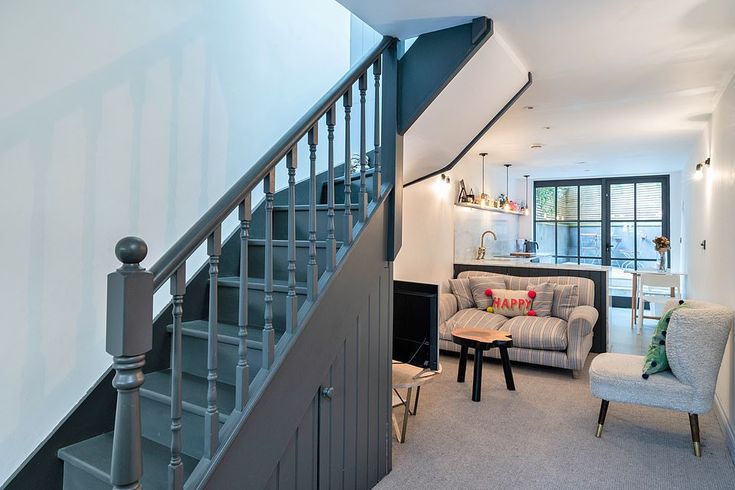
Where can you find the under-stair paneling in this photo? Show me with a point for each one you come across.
(339, 437)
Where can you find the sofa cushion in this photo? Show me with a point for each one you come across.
(461, 290)
(548, 333)
(544, 298)
(510, 303)
(471, 318)
(566, 298)
(479, 287)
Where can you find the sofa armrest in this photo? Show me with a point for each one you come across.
(447, 307)
(581, 321)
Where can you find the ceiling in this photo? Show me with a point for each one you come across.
(624, 87)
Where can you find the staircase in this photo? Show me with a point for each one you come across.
(226, 330)
(87, 463)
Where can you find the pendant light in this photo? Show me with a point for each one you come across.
(507, 186)
(525, 209)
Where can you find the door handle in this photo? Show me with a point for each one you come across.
(328, 392)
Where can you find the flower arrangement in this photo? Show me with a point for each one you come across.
(662, 244)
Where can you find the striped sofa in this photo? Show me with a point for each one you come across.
(548, 341)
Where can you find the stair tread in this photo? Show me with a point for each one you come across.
(94, 456)
(258, 283)
(193, 389)
(226, 332)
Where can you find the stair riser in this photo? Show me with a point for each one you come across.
(229, 301)
(280, 262)
(280, 224)
(339, 192)
(195, 359)
(78, 479)
(156, 425)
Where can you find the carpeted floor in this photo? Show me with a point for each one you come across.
(542, 436)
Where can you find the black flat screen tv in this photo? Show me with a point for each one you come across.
(416, 324)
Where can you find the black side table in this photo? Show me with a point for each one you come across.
(482, 340)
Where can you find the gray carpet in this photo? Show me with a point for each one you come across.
(542, 436)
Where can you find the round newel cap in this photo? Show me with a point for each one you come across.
(131, 250)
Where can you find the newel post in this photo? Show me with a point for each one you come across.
(129, 337)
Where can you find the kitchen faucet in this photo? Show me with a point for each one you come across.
(481, 249)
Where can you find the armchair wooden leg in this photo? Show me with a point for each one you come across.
(577, 373)
(601, 418)
(694, 425)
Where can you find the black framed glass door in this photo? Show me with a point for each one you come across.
(609, 221)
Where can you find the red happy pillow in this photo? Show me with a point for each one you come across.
(509, 302)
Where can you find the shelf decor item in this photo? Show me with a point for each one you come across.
(462, 192)
(662, 245)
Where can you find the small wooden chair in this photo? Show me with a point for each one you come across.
(649, 280)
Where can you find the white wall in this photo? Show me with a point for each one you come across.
(708, 205)
(427, 252)
(122, 118)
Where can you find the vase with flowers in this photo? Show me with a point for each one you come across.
(662, 245)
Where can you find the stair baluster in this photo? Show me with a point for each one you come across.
(175, 465)
(242, 371)
(347, 103)
(211, 417)
(129, 326)
(363, 205)
(377, 70)
(269, 188)
(331, 241)
(292, 302)
(312, 269)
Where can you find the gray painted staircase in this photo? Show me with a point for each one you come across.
(87, 463)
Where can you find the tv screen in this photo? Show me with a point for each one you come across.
(416, 324)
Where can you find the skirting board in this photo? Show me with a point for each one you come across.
(726, 428)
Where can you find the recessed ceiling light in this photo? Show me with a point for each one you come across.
(580, 163)
(528, 107)
(537, 145)
(547, 127)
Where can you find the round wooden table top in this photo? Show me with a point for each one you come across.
(485, 338)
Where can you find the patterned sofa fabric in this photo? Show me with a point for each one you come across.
(546, 333)
(470, 318)
(548, 341)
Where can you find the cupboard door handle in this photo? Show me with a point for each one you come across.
(328, 392)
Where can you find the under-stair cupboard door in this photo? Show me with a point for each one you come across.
(332, 425)
(298, 466)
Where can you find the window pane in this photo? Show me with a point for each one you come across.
(545, 203)
(622, 239)
(567, 260)
(645, 265)
(646, 233)
(590, 261)
(590, 235)
(545, 237)
(649, 201)
(566, 238)
(590, 205)
(566, 203)
(621, 201)
(623, 264)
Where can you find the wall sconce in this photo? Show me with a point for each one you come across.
(699, 169)
(445, 179)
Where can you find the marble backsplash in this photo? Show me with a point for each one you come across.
(469, 224)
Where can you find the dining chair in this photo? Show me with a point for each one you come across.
(650, 285)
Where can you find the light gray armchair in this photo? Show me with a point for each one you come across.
(695, 342)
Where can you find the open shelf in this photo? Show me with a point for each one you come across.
(487, 208)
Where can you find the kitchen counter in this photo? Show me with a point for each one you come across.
(525, 262)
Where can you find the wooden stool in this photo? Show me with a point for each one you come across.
(482, 340)
(409, 377)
